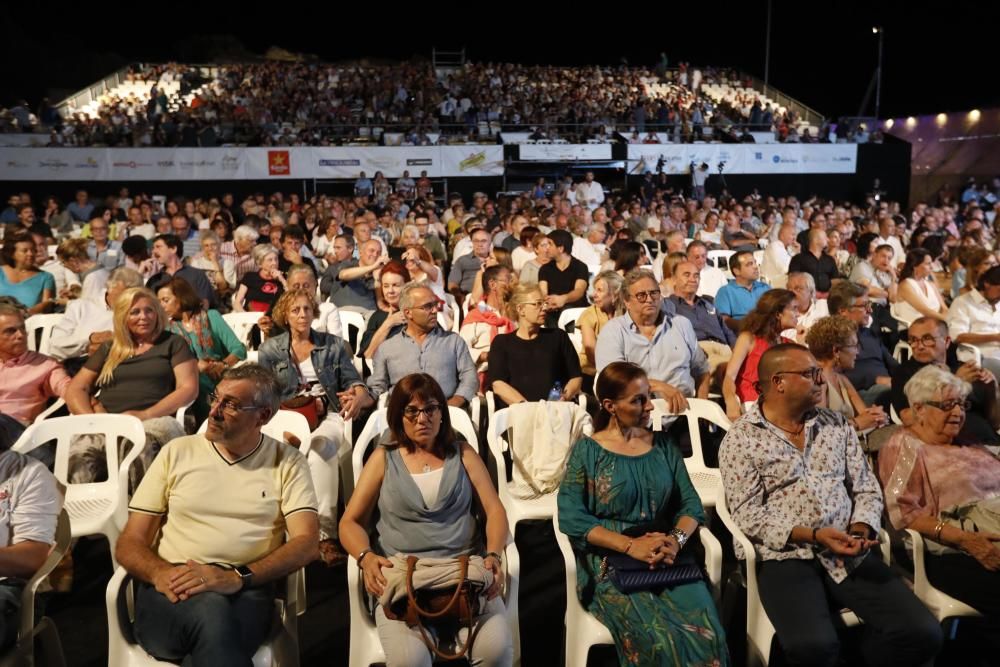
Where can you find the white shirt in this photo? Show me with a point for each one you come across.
(71, 336)
(585, 192)
(972, 313)
(463, 247)
(817, 311)
(64, 277)
(775, 265)
(520, 257)
(712, 279)
(585, 251)
(328, 319)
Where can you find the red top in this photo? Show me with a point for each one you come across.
(746, 379)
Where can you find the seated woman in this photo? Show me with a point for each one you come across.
(525, 252)
(220, 269)
(34, 289)
(259, 290)
(321, 382)
(950, 494)
(640, 479)
(760, 329)
(667, 287)
(629, 256)
(918, 294)
(834, 343)
(977, 260)
(535, 363)
(211, 340)
(710, 233)
(544, 251)
(387, 315)
(425, 484)
(92, 277)
(144, 371)
(607, 304)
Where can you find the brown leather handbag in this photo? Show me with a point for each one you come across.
(459, 605)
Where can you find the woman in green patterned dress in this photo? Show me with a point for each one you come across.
(623, 476)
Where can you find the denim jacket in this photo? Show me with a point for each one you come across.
(331, 358)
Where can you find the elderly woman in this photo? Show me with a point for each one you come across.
(388, 315)
(320, 382)
(425, 484)
(220, 269)
(34, 289)
(211, 340)
(259, 290)
(834, 343)
(607, 303)
(535, 363)
(644, 507)
(144, 370)
(949, 494)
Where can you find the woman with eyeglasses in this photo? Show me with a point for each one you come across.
(425, 483)
(534, 363)
(834, 343)
(760, 329)
(948, 493)
(622, 477)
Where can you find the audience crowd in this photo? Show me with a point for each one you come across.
(810, 322)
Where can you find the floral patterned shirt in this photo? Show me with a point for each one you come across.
(771, 486)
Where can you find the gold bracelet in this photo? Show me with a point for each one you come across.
(627, 547)
(937, 531)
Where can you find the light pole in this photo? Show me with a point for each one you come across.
(767, 49)
(880, 31)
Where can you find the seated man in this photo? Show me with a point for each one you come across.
(27, 379)
(931, 345)
(874, 366)
(168, 251)
(202, 545)
(31, 505)
(87, 323)
(465, 267)
(424, 347)
(799, 486)
(974, 318)
(715, 338)
(778, 255)
(564, 280)
(739, 296)
(712, 278)
(487, 318)
(664, 345)
(348, 282)
(811, 309)
(814, 261)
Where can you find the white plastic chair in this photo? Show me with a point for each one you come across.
(715, 255)
(583, 630)
(760, 632)
(937, 601)
(282, 421)
(707, 481)
(570, 315)
(279, 649)
(241, 324)
(23, 650)
(49, 411)
(901, 347)
(93, 507)
(518, 509)
(39, 329)
(350, 318)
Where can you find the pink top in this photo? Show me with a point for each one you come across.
(27, 383)
(940, 477)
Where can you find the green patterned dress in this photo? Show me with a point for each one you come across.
(678, 626)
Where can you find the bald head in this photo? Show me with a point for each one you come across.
(778, 358)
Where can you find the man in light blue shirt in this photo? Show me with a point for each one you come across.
(424, 347)
(740, 295)
(665, 346)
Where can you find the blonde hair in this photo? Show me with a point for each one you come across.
(521, 294)
(122, 344)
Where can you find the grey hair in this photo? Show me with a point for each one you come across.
(261, 251)
(810, 281)
(405, 295)
(267, 389)
(126, 277)
(13, 310)
(930, 380)
(245, 233)
(208, 235)
(634, 276)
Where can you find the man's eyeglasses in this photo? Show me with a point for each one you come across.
(812, 374)
(948, 406)
(926, 340)
(229, 405)
(429, 307)
(651, 295)
(412, 413)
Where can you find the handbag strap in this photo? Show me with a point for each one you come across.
(411, 562)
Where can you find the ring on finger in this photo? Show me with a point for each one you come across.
(203, 582)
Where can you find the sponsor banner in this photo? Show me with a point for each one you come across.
(53, 164)
(349, 161)
(471, 161)
(745, 158)
(23, 139)
(275, 163)
(565, 152)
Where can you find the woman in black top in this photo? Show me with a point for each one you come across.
(527, 365)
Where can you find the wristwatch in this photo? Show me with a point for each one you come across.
(680, 536)
(246, 575)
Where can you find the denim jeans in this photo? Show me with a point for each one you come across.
(215, 630)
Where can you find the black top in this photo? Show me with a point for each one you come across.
(144, 380)
(533, 366)
(873, 360)
(823, 270)
(285, 264)
(563, 282)
(977, 429)
(262, 292)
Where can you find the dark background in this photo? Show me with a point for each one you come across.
(937, 56)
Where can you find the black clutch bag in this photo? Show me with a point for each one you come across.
(630, 575)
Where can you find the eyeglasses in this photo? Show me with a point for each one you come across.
(926, 340)
(536, 304)
(412, 413)
(948, 406)
(428, 307)
(812, 374)
(651, 295)
(228, 405)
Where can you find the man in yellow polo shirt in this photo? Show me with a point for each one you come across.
(206, 531)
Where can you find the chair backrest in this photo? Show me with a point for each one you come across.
(349, 319)
(720, 259)
(570, 315)
(241, 324)
(698, 409)
(56, 553)
(39, 329)
(282, 421)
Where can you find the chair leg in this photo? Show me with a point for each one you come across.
(111, 533)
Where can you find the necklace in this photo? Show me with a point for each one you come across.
(797, 431)
(427, 467)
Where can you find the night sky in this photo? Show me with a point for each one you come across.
(937, 56)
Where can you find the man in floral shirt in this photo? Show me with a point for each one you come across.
(798, 485)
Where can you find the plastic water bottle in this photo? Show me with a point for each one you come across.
(555, 394)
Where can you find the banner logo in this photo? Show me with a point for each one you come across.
(278, 163)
